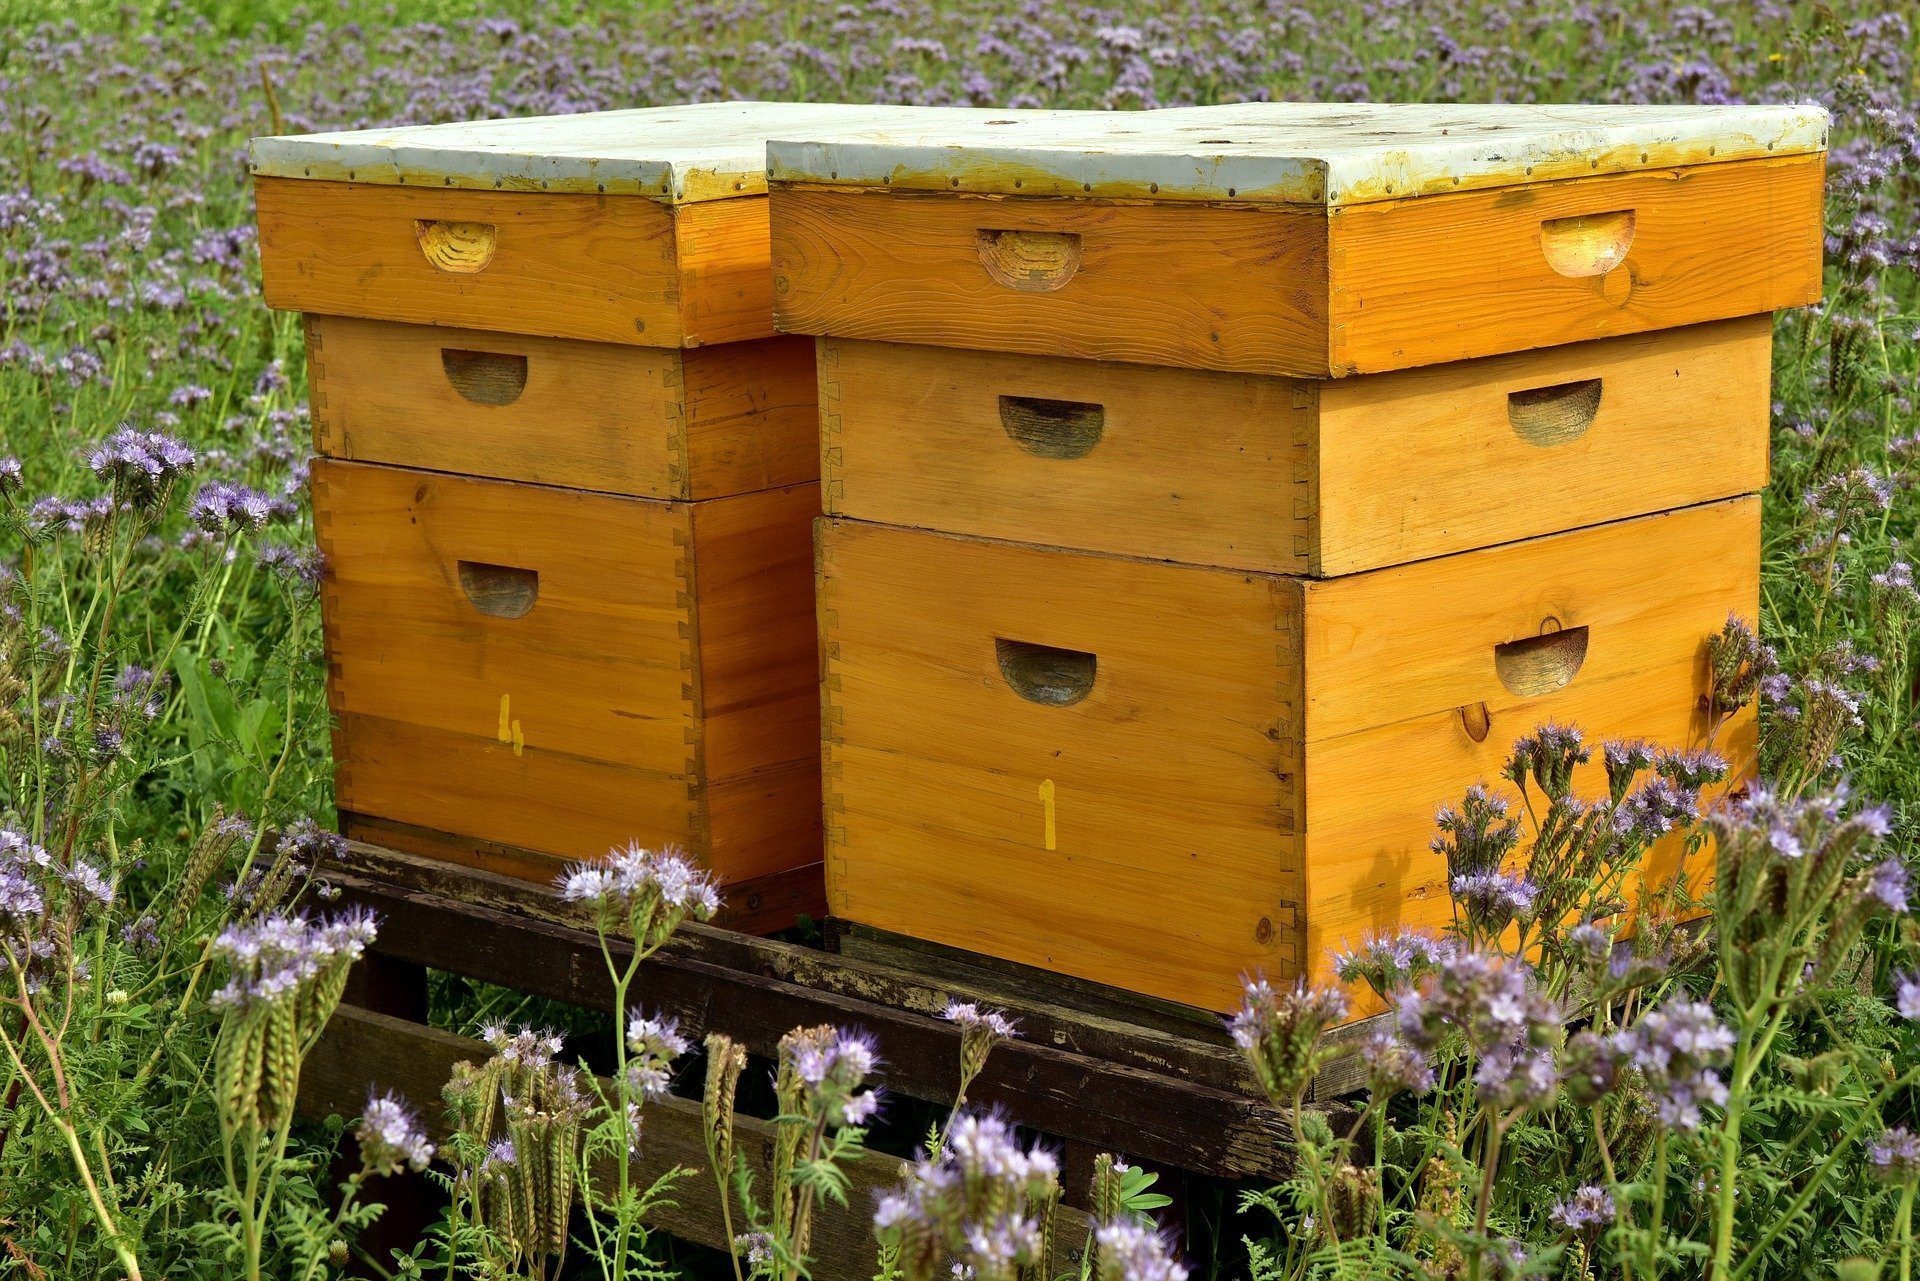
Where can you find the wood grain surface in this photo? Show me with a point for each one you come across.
(658, 687)
(616, 269)
(646, 421)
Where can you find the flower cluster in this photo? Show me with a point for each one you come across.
(980, 1031)
(822, 1070)
(1548, 756)
(985, 1203)
(1129, 1251)
(1677, 1048)
(652, 1046)
(1279, 1033)
(223, 509)
(141, 466)
(1906, 996)
(390, 1137)
(42, 903)
(1389, 963)
(281, 956)
(1509, 1024)
(1895, 1155)
(1477, 837)
(523, 1113)
(649, 891)
(1494, 900)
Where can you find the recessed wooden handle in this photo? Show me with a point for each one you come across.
(1033, 262)
(485, 377)
(1587, 244)
(499, 591)
(1052, 428)
(459, 247)
(1045, 674)
(1541, 664)
(1547, 416)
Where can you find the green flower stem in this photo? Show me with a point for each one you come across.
(1903, 1226)
(1757, 1032)
(1658, 1228)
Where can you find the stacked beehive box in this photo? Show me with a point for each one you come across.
(567, 484)
(1213, 495)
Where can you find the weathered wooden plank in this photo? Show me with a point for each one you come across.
(908, 974)
(362, 1049)
(755, 990)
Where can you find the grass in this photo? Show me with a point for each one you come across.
(129, 295)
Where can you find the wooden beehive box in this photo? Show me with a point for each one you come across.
(1164, 777)
(1301, 239)
(1217, 495)
(566, 489)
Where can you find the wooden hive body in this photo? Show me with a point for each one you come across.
(566, 490)
(1294, 476)
(552, 672)
(1299, 239)
(1164, 777)
(692, 423)
(1214, 495)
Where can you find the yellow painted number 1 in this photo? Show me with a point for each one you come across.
(1046, 804)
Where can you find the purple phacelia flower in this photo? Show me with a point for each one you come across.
(1130, 1251)
(1586, 1210)
(1895, 1155)
(1279, 1032)
(1677, 1047)
(970, 1016)
(1393, 1066)
(1494, 900)
(224, 509)
(1389, 962)
(277, 958)
(390, 1137)
(651, 891)
(1495, 1005)
(652, 1045)
(1888, 885)
(1906, 996)
(1655, 808)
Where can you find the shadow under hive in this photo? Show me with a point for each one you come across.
(1213, 494)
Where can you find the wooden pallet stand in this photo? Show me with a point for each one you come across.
(1094, 1070)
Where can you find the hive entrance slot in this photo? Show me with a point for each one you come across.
(1033, 262)
(1587, 244)
(1046, 674)
(458, 247)
(485, 377)
(1052, 428)
(1541, 664)
(499, 591)
(1547, 416)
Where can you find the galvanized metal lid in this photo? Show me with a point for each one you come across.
(705, 151)
(1286, 152)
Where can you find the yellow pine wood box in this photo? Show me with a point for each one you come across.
(644, 227)
(1300, 239)
(549, 673)
(1164, 777)
(690, 423)
(1287, 475)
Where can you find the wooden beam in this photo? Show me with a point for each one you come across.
(1138, 1091)
(362, 1049)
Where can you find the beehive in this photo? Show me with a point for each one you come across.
(567, 479)
(1215, 496)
